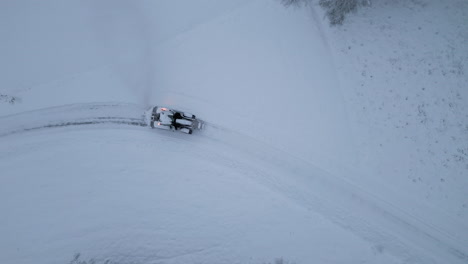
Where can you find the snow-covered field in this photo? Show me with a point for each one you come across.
(324, 145)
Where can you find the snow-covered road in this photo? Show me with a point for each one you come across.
(389, 228)
(134, 194)
(298, 159)
(73, 115)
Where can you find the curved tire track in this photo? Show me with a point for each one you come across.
(73, 115)
(364, 214)
(388, 227)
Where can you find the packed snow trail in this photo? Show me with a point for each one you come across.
(73, 115)
(385, 225)
(388, 227)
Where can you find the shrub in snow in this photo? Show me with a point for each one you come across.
(335, 10)
(5, 98)
(281, 261)
(78, 260)
(288, 3)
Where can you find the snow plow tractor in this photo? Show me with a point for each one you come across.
(170, 119)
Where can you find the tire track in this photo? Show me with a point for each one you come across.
(101, 120)
(73, 115)
(384, 225)
(388, 227)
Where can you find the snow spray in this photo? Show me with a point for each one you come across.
(124, 33)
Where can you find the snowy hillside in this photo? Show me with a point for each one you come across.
(407, 84)
(323, 144)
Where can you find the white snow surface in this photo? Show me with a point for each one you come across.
(322, 145)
